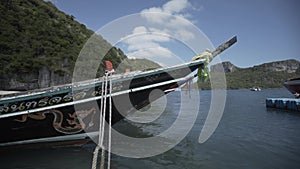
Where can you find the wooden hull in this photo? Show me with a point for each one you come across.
(68, 112)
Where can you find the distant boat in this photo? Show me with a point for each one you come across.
(256, 89)
(49, 115)
(293, 85)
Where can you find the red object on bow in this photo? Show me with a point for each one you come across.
(109, 66)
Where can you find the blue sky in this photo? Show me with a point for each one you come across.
(267, 30)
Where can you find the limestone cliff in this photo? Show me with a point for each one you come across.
(39, 45)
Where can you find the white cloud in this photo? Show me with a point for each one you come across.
(162, 25)
(184, 34)
(143, 35)
(171, 7)
(160, 55)
(156, 52)
(172, 17)
(144, 43)
(175, 6)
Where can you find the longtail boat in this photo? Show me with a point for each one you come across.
(64, 113)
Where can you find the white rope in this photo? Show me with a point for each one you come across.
(101, 111)
(102, 159)
(102, 124)
(101, 133)
(104, 111)
(110, 124)
(95, 157)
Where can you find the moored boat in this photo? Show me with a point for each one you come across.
(293, 85)
(64, 113)
(256, 89)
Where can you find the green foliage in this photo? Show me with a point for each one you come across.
(35, 33)
(262, 76)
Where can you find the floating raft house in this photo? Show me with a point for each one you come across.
(283, 103)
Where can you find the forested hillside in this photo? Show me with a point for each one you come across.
(267, 75)
(39, 45)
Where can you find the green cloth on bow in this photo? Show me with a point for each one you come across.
(203, 72)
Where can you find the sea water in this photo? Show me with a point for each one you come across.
(248, 136)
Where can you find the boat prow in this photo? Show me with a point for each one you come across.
(293, 85)
(68, 112)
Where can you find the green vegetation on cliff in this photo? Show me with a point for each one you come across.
(39, 45)
(268, 75)
(35, 33)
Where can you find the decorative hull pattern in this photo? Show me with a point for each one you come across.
(58, 114)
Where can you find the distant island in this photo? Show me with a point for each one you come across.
(267, 75)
